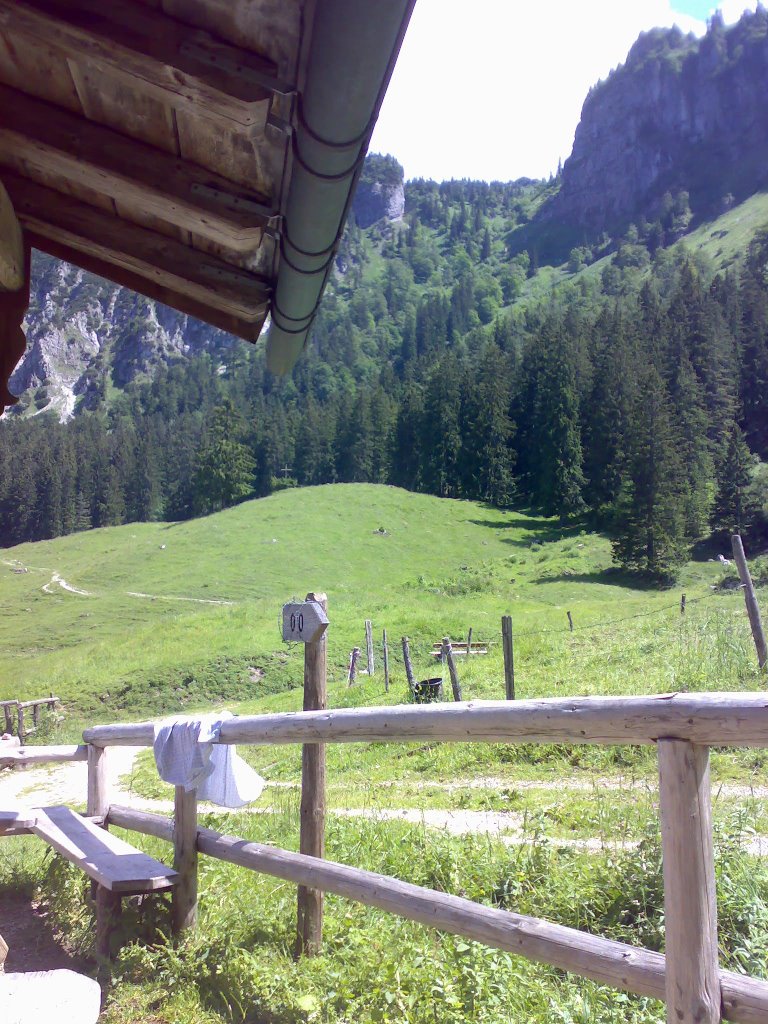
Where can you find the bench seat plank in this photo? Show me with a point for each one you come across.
(106, 858)
(17, 818)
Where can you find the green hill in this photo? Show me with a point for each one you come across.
(173, 615)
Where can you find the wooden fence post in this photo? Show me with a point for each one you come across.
(469, 642)
(408, 666)
(448, 657)
(690, 910)
(509, 656)
(369, 646)
(682, 605)
(312, 837)
(386, 660)
(97, 804)
(351, 672)
(20, 719)
(570, 621)
(753, 608)
(185, 859)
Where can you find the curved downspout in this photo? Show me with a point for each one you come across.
(354, 47)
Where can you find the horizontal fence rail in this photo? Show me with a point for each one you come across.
(682, 726)
(631, 968)
(713, 719)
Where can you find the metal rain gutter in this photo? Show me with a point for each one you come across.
(355, 44)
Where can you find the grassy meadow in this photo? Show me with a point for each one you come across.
(424, 567)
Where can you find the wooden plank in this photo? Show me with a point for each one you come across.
(185, 859)
(144, 253)
(105, 858)
(17, 818)
(745, 1000)
(690, 909)
(11, 246)
(248, 329)
(37, 136)
(309, 938)
(166, 58)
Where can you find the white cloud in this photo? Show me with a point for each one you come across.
(494, 88)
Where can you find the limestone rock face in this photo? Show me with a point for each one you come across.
(85, 334)
(681, 113)
(380, 192)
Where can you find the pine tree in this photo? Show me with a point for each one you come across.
(734, 507)
(224, 466)
(650, 517)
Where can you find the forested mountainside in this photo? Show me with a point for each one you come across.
(627, 385)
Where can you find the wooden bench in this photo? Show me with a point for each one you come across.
(107, 859)
(116, 867)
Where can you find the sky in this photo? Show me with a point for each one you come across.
(493, 89)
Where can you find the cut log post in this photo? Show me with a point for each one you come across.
(682, 605)
(21, 730)
(469, 642)
(185, 859)
(352, 670)
(448, 657)
(108, 911)
(8, 707)
(570, 621)
(385, 649)
(753, 608)
(36, 714)
(509, 656)
(98, 782)
(408, 666)
(690, 911)
(369, 646)
(309, 938)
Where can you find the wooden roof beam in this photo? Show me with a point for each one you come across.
(11, 246)
(184, 65)
(144, 254)
(37, 137)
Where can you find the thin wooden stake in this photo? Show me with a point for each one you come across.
(386, 659)
(309, 938)
(185, 859)
(570, 620)
(469, 642)
(509, 656)
(682, 605)
(753, 608)
(690, 912)
(448, 657)
(21, 730)
(352, 671)
(408, 666)
(369, 646)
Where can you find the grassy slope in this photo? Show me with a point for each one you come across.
(441, 567)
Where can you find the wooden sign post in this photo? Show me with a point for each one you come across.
(308, 622)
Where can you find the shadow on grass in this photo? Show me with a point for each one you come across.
(611, 577)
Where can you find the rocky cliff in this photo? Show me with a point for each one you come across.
(680, 114)
(86, 335)
(380, 192)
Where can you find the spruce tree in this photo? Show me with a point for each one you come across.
(734, 507)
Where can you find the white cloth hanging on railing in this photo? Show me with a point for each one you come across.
(186, 754)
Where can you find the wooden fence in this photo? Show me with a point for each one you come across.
(682, 727)
(20, 708)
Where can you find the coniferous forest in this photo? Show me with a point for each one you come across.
(633, 398)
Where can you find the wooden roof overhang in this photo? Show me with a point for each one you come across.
(155, 143)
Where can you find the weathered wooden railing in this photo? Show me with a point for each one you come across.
(682, 726)
(20, 707)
